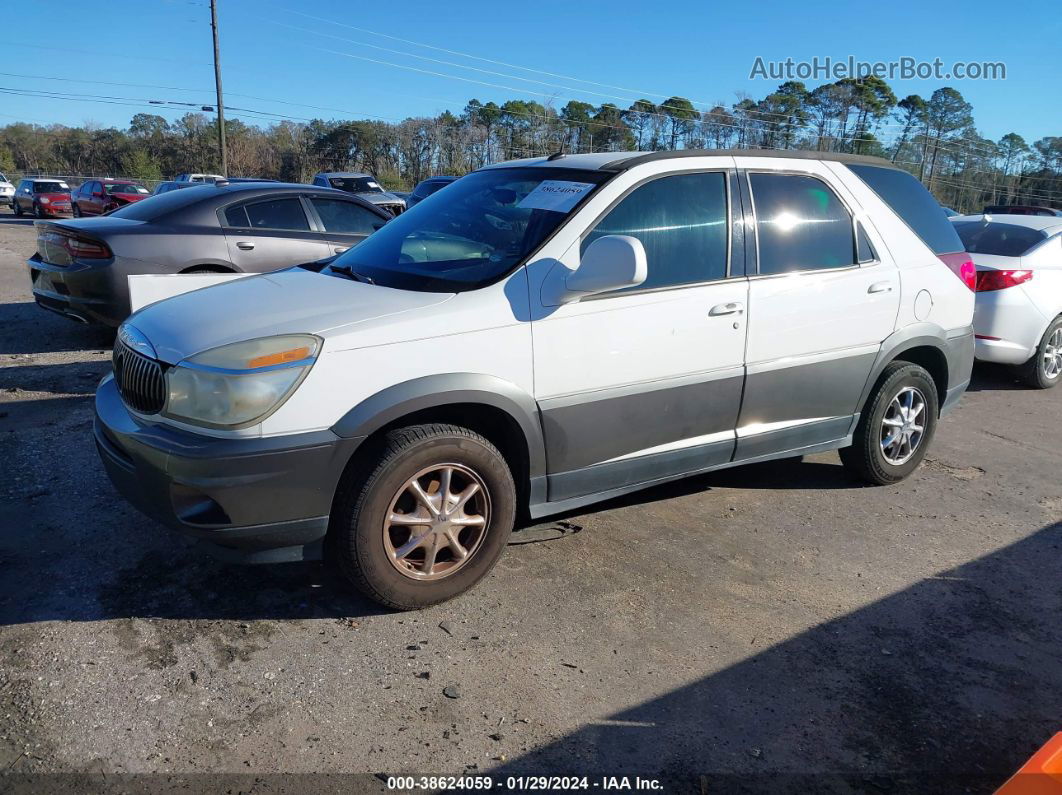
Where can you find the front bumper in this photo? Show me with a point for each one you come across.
(257, 499)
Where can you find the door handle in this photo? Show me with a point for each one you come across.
(341, 249)
(733, 308)
(880, 287)
(244, 245)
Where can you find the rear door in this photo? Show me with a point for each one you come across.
(268, 233)
(821, 301)
(346, 223)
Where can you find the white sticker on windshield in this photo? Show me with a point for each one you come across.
(555, 194)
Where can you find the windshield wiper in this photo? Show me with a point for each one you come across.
(349, 271)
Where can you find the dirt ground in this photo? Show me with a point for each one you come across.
(773, 628)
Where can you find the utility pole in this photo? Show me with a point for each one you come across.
(217, 81)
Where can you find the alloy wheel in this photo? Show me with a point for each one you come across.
(436, 522)
(1052, 360)
(903, 426)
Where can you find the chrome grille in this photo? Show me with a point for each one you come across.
(139, 380)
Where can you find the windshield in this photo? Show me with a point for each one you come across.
(50, 187)
(1004, 240)
(123, 187)
(162, 204)
(356, 184)
(474, 232)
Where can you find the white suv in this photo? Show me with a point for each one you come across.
(541, 335)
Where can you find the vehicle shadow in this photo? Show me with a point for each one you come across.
(947, 686)
(790, 473)
(995, 377)
(26, 328)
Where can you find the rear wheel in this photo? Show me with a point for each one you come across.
(1044, 369)
(896, 426)
(426, 517)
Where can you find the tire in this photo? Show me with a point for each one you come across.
(76, 211)
(869, 457)
(37, 211)
(17, 209)
(375, 555)
(1044, 369)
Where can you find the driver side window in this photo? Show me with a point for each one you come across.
(681, 221)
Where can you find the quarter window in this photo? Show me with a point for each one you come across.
(273, 214)
(800, 224)
(681, 221)
(346, 218)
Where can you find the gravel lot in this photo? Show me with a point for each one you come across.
(777, 627)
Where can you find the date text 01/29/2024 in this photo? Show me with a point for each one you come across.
(521, 783)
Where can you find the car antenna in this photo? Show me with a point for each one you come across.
(556, 155)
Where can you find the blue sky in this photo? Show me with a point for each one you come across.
(592, 51)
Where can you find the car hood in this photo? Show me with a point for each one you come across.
(292, 301)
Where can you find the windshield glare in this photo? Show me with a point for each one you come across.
(477, 230)
(355, 184)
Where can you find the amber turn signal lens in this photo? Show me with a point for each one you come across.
(283, 357)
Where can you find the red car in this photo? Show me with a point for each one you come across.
(99, 196)
(42, 197)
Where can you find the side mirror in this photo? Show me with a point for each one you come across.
(97, 194)
(609, 263)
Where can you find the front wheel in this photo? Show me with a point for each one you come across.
(77, 210)
(426, 517)
(1044, 369)
(896, 426)
(38, 211)
(16, 208)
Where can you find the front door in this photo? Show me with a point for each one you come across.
(820, 305)
(645, 383)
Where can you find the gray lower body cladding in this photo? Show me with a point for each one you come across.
(245, 495)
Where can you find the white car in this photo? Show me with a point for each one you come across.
(1018, 317)
(7, 190)
(541, 335)
(209, 178)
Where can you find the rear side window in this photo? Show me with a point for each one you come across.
(914, 204)
(682, 223)
(346, 218)
(800, 224)
(1004, 240)
(272, 214)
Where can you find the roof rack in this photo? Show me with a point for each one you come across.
(624, 163)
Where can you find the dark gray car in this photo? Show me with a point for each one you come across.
(364, 186)
(81, 266)
(426, 188)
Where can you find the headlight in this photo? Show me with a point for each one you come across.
(239, 384)
(45, 200)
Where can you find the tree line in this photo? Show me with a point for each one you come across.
(933, 137)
